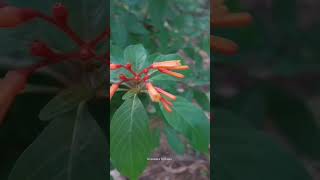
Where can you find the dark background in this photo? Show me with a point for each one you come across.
(22, 124)
(267, 96)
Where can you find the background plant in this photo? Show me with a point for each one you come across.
(61, 49)
(265, 96)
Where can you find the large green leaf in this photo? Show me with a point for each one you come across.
(131, 140)
(202, 99)
(174, 141)
(72, 147)
(191, 121)
(241, 152)
(136, 55)
(66, 101)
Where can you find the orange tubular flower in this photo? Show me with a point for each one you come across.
(10, 86)
(222, 18)
(153, 93)
(115, 66)
(161, 91)
(12, 16)
(113, 89)
(171, 73)
(178, 68)
(166, 64)
(166, 104)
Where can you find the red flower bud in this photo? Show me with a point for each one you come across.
(145, 71)
(128, 66)
(123, 77)
(12, 16)
(113, 89)
(115, 66)
(40, 49)
(10, 86)
(60, 13)
(137, 78)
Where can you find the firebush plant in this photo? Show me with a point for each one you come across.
(131, 139)
(66, 48)
(159, 80)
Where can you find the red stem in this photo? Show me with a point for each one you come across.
(64, 27)
(100, 38)
(132, 72)
(148, 68)
(60, 58)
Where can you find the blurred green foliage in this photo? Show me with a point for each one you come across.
(274, 78)
(59, 148)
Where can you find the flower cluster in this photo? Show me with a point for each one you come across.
(12, 17)
(143, 78)
(222, 18)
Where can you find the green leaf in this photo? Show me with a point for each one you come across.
(66, 149)
(174, 141)
(119, 33)
(157, 9)
(167, 57)
(189, 120)
(202, 99)
(133, 25)
(64, 102)
(131, 139)
(130, 94)
(136, 55)
(116, 55)
(241, 152)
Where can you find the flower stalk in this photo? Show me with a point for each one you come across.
(142, 79)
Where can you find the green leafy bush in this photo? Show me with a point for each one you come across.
(159, 73)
